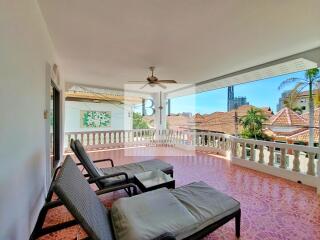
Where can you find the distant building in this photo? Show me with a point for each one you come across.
(230, 98)
(235, 102)
(238, 102)
(283, 97)
(186, 114)
(302, 103)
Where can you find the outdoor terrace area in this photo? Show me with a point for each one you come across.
(272, 207)
(82, 69)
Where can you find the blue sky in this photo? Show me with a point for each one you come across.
(261, 93)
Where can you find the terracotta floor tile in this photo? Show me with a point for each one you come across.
(272, 208)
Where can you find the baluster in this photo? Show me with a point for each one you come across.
(234, 148)
(252, 152)
(311, 165)
(93, 138)
(296, 161)
(104, 138)
(214, 141)
(283, 158)
(69, 140)
(81, 138)
(99, 138)
(87, 139)
(244, 152)
(271, 156)
(261, 154)
(238, 150)
(107, 138)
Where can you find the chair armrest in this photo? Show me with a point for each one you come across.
(100, 160)
(165, 236)
(93, 180)
(115, 188)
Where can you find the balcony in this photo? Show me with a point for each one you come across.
(273, 207)
(294, 162)
(63, 51)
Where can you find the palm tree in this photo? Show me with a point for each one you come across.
(311, 80)
(252, 122)
(291, 101)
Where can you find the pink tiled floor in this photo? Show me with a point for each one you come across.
(272, 208)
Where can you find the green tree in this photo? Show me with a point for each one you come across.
(291, 101)
(252, 124)
(312, 77)
(139, 122)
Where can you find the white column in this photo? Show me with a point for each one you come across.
(160, 118)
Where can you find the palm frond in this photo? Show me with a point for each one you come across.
(299, 87)
(290, 81)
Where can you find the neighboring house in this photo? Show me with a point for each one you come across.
(303, 136)
(225, 122)
(284, 124)
(220, 122)
(288, 126)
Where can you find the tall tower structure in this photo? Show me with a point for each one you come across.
(230, 98)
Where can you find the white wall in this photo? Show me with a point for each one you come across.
(26, 51)
(119, 113)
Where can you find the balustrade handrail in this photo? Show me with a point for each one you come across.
(300, 148)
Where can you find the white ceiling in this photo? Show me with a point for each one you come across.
(110, 42)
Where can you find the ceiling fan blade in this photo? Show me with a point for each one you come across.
(144, 86)
(137, 81)
(161, 85)
(167, 81)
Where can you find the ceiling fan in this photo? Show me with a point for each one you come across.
(153, 80)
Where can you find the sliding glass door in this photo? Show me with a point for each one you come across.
(54, 125)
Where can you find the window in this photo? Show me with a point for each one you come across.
(54, 125)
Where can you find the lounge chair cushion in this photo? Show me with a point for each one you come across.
(149, 215)
(182, 211)
(134, 168)
(205, 203)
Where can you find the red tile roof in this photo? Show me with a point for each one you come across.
(287, 117)
(316, 116)
(224, 122)
(304, 136)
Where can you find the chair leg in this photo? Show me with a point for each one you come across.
(128, 191)
(238, 220)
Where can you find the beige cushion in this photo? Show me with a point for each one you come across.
(182, 212)
(149, 215)
(205, 203)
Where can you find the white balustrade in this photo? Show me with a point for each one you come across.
(296, 158)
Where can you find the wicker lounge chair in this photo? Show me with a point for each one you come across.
(188, 212)
(127, 170)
